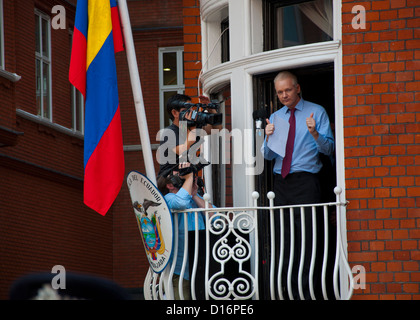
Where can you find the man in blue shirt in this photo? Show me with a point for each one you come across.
(313, 132)
(298, 181)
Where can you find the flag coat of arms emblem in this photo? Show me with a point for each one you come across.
(153, 219)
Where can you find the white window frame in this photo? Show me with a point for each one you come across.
(179, 87)
(45, 60)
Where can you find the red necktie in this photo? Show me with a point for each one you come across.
(287, 161)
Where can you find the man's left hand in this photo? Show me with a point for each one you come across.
(311, 123)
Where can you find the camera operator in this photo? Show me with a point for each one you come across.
(180, 191)
(180, 188)
(175, 145)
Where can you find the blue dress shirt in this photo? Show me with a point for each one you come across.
(305, 152)
(182, 200)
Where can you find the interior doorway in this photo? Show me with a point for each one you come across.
(317, 86)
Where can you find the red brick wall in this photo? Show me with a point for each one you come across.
(42, 193)
(7, 88)
(44, 221)
(381, 128)
(192, 47)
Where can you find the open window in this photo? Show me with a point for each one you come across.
(291, 23)
(317, 85)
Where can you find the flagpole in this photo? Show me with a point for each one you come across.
(137, 93)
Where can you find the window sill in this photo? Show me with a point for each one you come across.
(13, 77)
(55, 126)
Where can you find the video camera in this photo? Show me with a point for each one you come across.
(199, 116)
(194, 168)
(177, 180)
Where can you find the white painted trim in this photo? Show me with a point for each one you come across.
(43, 121)
(269, 61)
(9, 75)
(204, 50)
(210, 7)
(249, 140)
(339, 130)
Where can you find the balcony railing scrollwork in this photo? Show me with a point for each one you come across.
(228, 261)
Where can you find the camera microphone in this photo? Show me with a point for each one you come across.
(178, 104)
(259, 116)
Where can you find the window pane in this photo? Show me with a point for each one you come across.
(37, 35)
(171, 74)
(45, 38)
(225, 40)
(46, 90)
(169, 69)
(289, 31)
(73, 107)
(79, 111)
(38, 86)
(304, 23)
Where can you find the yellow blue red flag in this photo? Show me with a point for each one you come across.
(96, 38)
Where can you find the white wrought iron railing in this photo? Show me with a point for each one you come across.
(225, 260)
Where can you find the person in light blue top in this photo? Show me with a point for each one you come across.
(296, 179)
(182, 200)
(180, 193)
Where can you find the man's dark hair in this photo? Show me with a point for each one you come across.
(172, 99)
